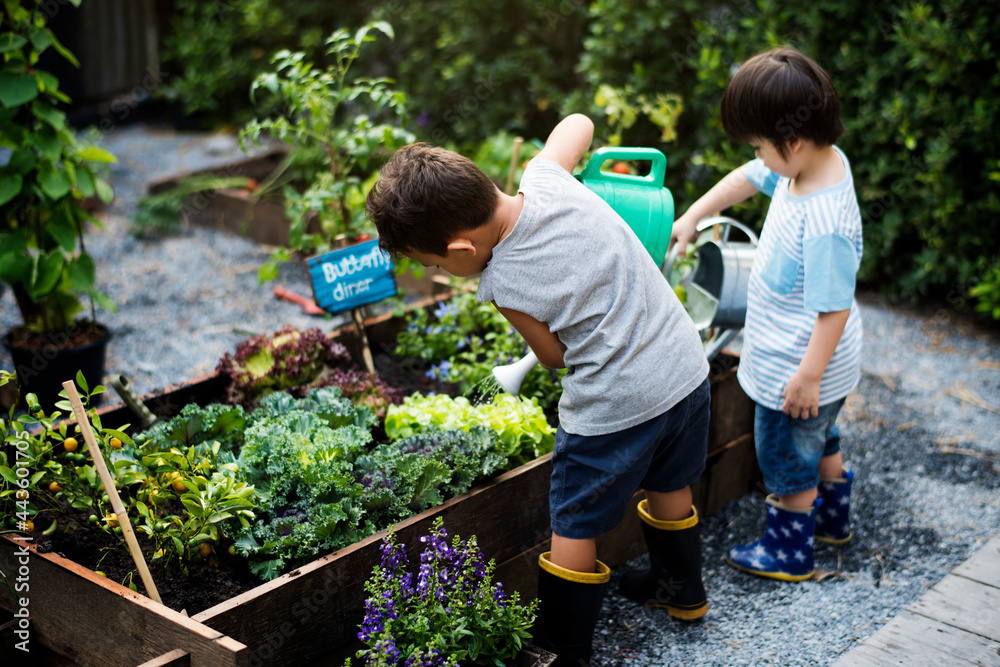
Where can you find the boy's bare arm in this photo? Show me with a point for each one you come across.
(732, 189)
(568, 141)
(545, 344)
(802, 390)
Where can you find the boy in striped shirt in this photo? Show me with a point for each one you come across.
(802, 339)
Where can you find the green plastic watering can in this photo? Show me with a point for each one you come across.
(642, 201)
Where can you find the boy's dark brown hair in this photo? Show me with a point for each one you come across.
(781, 95)
(425, 196)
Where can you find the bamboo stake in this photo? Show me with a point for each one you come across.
(109, 487)
(513, 164)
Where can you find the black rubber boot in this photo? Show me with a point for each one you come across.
(673, 580)
(569, 603)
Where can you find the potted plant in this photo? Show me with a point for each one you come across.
(44, 179)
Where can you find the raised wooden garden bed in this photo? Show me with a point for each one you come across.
(232, 210)
(311, 615)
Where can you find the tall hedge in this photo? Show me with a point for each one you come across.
(918, 81)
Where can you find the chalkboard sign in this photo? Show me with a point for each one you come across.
(351, 277)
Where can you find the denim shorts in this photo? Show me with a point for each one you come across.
(595, 477)
(789, 450)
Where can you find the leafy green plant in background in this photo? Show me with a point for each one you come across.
(471, 70)
(355, 122)
(43, 181)
(464, 340)
(296, 361)
(214, 50)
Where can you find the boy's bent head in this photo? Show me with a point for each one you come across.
(425, 196)
(781, 95)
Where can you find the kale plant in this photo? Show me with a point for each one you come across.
(302, 470)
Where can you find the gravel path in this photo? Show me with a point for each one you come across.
(927, 495)
(922, 432)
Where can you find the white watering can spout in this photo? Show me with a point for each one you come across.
(512, 375)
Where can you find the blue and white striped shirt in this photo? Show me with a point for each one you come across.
(805, 264)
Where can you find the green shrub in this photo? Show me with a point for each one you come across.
(216, 49)
(918, 83)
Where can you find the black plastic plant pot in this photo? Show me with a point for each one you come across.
(42, 368)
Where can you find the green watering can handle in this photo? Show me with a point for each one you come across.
(592, 170)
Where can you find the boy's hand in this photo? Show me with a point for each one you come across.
(801, 396)
(685, 230)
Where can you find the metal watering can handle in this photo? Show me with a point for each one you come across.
(704, 224)
(729, 223)
(657, 173)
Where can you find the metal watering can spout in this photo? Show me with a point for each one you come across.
(642, 201)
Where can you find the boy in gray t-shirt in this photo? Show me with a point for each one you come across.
(575, 281)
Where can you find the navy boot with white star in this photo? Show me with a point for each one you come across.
(786, 550)
(833, 521)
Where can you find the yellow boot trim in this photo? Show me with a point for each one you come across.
(680, 524)
(602, 575)
(687, 613)
(782, 576)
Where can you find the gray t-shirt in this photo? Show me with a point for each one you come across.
(571, 262)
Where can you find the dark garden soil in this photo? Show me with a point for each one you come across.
(203, 587)
(81, 333)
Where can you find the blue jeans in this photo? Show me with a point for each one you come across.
(789, 450)
(595, 477)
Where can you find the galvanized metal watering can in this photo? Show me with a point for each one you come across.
(722, 271)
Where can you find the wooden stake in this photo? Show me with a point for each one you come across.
(109, 487)
(514, 159)
(366, 353)
(340, 241)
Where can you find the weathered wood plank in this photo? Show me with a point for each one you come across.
(963, 603)
(916, 641)
(731, 472)
(984, 565)
(176, 658)
(96, 622)
(732, 409)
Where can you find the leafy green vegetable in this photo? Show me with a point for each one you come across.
(296, 361)
(520, 424)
